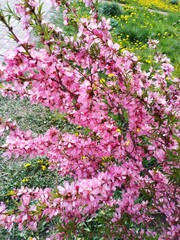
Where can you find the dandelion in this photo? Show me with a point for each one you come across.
(27, 165)
(24, 180)
(11, 193)
(40, 161)
(43, 168)
(110, 75)
(102, 81)
(118, 130)
(148, 61)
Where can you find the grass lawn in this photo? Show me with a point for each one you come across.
(136, 25)
(133, 26)
(164, 5)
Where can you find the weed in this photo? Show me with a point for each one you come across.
(110, 9)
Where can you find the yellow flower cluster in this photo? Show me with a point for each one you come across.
(136, 26)
(27, 165)
(102, 81)
(43, 167)
(160, 4)
(24, 180)
(110, 75)
(43, 164)
(11, 193)
(118, 130)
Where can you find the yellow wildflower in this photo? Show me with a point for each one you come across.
(32, 238)
(27, 165)
(118, 130)
(25, 180)
(40, 161)
(102, 81)
(111, 75)
(11, 192)
(148, 61)
(43, 168)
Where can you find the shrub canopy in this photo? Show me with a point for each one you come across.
(122, 163)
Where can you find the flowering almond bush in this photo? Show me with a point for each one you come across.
(123, 164)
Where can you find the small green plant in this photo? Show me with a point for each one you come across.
(174, 2)
(134, 27)
(114, 23)
(110, 9)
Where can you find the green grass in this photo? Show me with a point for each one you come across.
(27, 116)
(15, 173)
(71, 28)
(159, 5)
(133, 29)
(34, 174)
(34, 117)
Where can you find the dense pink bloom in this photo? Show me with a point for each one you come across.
(129, 121)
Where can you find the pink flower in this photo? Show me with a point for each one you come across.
(153, 43)
(119, 147)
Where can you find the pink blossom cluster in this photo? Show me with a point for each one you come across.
(131, 116)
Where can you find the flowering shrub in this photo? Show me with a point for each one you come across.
(122, 165)
(110, 9)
